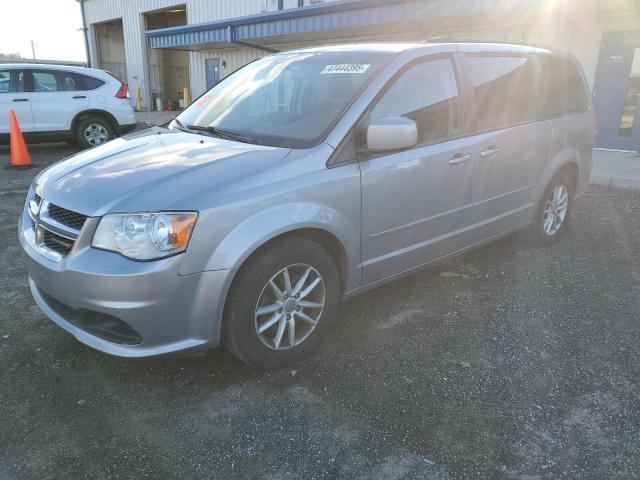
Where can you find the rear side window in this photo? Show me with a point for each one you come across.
(67, 81)
(44, 81)
(562, 90)
(504, 88)
(62, 81)
(11, 81)
(426, 93)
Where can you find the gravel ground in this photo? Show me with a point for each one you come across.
(512, 362)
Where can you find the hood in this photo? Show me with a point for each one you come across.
(150, 170)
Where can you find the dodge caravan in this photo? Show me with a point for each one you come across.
(304, 178)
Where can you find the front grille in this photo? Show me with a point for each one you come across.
(57, 243)
(66, 217)
(54, 229)
(98, 324)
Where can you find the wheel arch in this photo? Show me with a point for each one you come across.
(94, 112)
(573, 170)
(567, 160)
(322, 237)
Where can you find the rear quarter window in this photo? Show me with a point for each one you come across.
(90, 83)
(562, 89)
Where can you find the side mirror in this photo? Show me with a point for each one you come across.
(391, 133)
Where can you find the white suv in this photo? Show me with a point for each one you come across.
(55, 102)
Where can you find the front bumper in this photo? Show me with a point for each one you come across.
(89, 291)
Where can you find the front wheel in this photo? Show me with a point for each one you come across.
(281, 304)
(554, 210)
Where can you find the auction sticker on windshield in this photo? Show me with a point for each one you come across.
(346, 68)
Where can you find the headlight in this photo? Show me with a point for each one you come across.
(145, 236)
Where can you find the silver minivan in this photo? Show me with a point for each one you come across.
(304, 178)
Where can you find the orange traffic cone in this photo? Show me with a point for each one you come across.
(19, 154)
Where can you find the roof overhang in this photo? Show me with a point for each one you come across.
(290, 25)
(342, 19)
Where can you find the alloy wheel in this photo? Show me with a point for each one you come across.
(555, 209)
(290, 306)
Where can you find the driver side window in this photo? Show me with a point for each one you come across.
(426, 93)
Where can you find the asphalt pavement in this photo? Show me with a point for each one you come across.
(511, 362)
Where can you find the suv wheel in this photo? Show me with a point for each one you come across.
(554, 210)
(281, 304)
(93, 131)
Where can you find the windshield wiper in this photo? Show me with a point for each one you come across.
(225, 134)
(180, 124)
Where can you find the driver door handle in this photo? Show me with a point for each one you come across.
(20, 99)
(490, 152)
(460, 158)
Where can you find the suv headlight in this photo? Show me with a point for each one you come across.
(145, 236)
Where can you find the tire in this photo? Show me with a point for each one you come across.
(92, 131)
(251, 290)
(540, 233)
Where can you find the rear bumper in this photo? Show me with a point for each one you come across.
(96, 295)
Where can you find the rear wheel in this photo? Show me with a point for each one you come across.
(92, 131)
(281, 304)
(554, 210)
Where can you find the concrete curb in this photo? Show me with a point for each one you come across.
(616, 169)
(632, 183)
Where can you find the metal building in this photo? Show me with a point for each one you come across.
(162, 46)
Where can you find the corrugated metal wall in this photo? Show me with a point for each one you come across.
(234, 58)
(98, 11)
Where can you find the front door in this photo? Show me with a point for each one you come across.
(212, 71)
(14, 97)
(416, 203)
(617, 91)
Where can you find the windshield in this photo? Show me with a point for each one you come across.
(286, 100)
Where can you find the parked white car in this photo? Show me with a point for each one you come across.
(85, 106)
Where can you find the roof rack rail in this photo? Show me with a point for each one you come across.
(446, 39)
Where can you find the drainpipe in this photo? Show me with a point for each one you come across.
(86, 32)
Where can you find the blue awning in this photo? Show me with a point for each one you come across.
(291, 24)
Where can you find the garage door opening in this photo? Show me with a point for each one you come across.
(110, 46)
(168, 69)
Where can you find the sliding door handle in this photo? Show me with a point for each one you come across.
(20, 99)
(460, 158)
(490, 152)
(75, 97)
